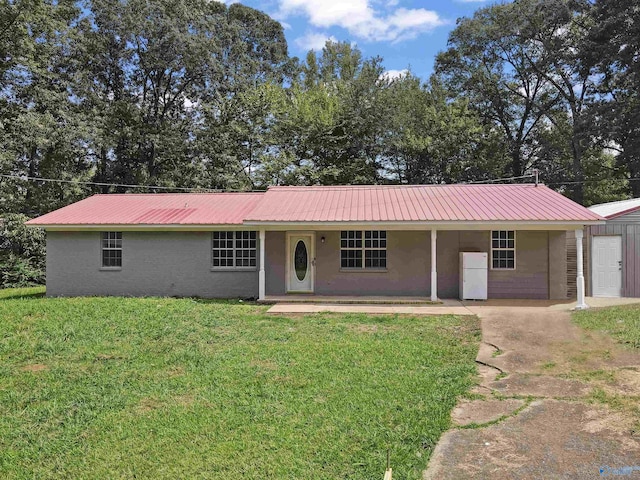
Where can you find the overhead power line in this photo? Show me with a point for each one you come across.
(531, 175)
(595, 180)
(210, 190)
(103, 184)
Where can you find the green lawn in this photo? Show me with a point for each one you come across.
(622, 323)
(181, 388)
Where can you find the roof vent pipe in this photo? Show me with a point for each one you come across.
(535, 173)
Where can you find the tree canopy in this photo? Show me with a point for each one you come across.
(198, 94)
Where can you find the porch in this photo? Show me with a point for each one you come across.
(347, 300)
(404, 267)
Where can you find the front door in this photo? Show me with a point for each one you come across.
(607, 266)
(301, 262)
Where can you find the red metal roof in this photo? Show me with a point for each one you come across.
(417, 203)
(385, 203)
(155, 209)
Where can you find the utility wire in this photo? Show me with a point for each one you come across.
(503, 179)
(101, 184)
(187, 189)
(595, 180)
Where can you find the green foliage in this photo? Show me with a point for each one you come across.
(331, 120)
(195, 93)
(180, 388)
(521, 66)
(434, 140)
(22, 253)
(611, 47)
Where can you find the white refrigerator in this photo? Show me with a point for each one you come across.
(473, 275)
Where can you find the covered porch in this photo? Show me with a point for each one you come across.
(313, 264)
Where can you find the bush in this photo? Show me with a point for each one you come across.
(22, 253)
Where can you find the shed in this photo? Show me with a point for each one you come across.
(612, 250)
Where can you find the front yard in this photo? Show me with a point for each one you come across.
(182, 388)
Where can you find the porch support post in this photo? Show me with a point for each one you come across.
(261, 275)
(434, 273)
(581, 305)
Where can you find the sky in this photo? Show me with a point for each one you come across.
(406, 33)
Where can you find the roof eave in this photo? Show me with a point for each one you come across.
(623, 212)
(136, 227)
(451, 224)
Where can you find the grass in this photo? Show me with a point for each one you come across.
(180, 388)
(622, 323)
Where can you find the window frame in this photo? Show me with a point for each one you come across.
(363, 249)
(503, 249)
(118, 236)
(234, 251)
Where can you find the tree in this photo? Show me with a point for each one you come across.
(160, 76)
(489, 63)
(555, 31)
(41, 126)
(612, 47)
(434, 140)
(22, 253)
(329, 123)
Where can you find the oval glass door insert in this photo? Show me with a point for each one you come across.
(300, 260)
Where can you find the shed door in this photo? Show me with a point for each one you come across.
(607, 266)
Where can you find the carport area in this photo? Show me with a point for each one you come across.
(551, 402)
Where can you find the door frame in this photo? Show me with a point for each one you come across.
(311, 260)
(594, 266)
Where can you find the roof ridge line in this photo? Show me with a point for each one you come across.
(362, 187)
(260, 192)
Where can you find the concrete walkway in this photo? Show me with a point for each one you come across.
(447, 307)
(416, 306)
(554, 401)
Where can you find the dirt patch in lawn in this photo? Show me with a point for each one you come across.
(148, 404)
(35, 367)
(372, 328)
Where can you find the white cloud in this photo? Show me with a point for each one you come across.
(393, 74)
(361, 20)
(313, 41)
(472, 1)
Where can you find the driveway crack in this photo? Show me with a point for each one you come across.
(491, 366)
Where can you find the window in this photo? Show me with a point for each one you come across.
(112, 249)
(363, 249)
(503, 249)
(234, 250)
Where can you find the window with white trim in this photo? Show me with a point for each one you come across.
(236, 249)
(363, 249)
(503, 249)
(112, 249)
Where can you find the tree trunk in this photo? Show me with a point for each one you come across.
(577, 194)
(516, 161)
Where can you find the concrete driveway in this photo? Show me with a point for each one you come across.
(555, 402)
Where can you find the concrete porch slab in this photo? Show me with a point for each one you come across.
(448, 308)
(423, 306)
(347, 299)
